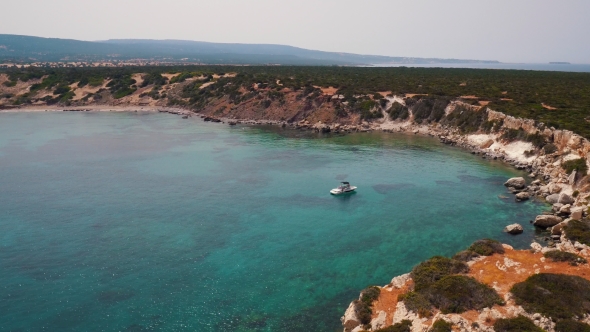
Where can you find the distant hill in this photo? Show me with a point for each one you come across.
(32, 49)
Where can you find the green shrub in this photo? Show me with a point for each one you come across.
(557, 296)
(434, 269)
(562, 256)
(367, 105)
(465, 255)
(575, 164)
(363, 306)
(61, 89)
(123, 92)
(490, 126)
(153, 78)
(66, 96)
(441, 325)
(403, 326)
(398, 111)
(9, 84)
(550, 148)
(569, 325)
(417, 303)
(576, 193)
(537, 140)
(486, 247)
(429, 108)
(457, 294)
(517, 324)
(577, 230)
(466, 119)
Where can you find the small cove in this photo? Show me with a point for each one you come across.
(147, 222)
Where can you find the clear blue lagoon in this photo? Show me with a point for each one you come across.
(148, 222)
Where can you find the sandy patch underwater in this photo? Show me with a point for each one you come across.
(142, 221)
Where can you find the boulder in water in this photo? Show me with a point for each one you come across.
(522, 196)
(517, 183)
(514, 229)
(545, 221)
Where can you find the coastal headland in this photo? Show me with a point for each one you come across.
(550, 144)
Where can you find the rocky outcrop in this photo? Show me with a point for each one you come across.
(379, 321)
(517, 183)
(552, 199)
(350, 319)
(400, 281)
(522, 196)
(402, 313)
(565, 199)
(514, 229)
(546, 221)
(577, 212)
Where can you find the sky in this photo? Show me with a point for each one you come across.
(523, 31)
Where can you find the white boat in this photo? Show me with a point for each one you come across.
(343, 188)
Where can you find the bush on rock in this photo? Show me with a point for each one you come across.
(557, 296)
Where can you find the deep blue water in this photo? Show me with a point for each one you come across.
(518, 66)
(147, 222)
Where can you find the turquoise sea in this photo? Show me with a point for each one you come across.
(148, 222)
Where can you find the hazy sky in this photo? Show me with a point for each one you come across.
(504, 30)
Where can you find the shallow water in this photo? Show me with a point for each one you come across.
(147, 222)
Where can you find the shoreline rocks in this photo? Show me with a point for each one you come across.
(514, 229)
(546, 221)
(516, 183)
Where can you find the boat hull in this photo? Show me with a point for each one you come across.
(337, 191)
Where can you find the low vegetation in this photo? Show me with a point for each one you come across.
(578, 230)
(562, 256)
(487, 247)
(511, 135)
(570, 325)
(403, 326)
(363, 306)
(557, 296)
(418, 303)
(578, 165)
(457, 294)
(514, 92)
(428, 272)
(437, 284)
(441, 325)
(466, 118)
(517, 324)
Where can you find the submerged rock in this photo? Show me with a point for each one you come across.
(522, 196)
(545, 221)
(514, 229)
(517, 183)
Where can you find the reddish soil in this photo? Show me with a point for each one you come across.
(498, 271)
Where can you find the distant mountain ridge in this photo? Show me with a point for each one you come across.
(30, 49)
